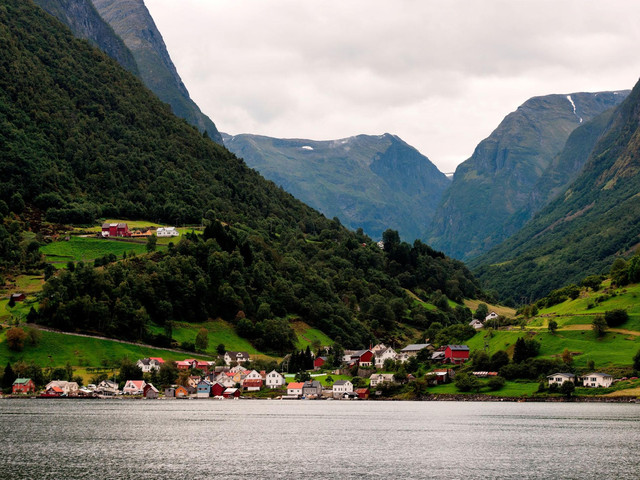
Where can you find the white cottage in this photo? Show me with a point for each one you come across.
(378, 378)
(275, 379)
(560, 378)
(597, 380)
(384, 354)
(341, 387)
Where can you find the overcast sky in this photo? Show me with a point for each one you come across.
(439, 74)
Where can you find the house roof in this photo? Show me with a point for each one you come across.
(56, 389)
(597, 374)
(415, 347)
(341, 382)
(144, 361)
(566, 375)
(296, 385)
(238, 354)
(21, 381)
(362, 390)
(252, 383)
(312, 384)
(463, 348)
(137, 383)
(157, 359)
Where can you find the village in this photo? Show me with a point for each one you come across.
(236, 379)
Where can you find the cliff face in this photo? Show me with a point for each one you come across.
(85, 22)
(496, 191)
(131, 20)
(369, 182)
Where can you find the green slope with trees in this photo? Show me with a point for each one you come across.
(82, 139)
(593, 222)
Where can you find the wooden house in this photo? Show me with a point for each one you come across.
(319, 362)
(456, 353)
(23, 386)
(150, 391)
(597, 380)
(217, 389)
(181, 392)
(231, 393)
(204, 389)
(134, 387)
(275, 379)
(363, 393)
(342, 387)
(115, 230)
(560, 378)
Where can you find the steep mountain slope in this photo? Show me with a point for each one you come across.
(490, 197)
(368, 182)
(583, 230)
(85, 22)
(83, 139)
(131, 20)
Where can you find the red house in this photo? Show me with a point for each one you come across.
(231, 393)
(456, 353)
(319, 362)
(217, 389)
(23, 386)
(363, 393)
(115, 230)
(184, 365)
(362, 357)
(202, 366)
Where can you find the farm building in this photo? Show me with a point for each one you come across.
(115, 230)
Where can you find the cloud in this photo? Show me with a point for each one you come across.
(441, 75)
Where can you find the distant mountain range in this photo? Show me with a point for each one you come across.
(368, 182)
(592, 222)
(125, 31)
(514, 172)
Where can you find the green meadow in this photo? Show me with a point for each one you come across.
(87, 249)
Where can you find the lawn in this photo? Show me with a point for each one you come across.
(57, 349)
(510, 389)
(499, 309)
(87, 249)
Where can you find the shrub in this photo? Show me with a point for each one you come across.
(615, 318)
(496, 383)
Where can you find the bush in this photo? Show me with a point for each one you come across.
(496, 383)
(615, 318)
(466, 383)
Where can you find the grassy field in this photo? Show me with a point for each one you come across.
(510, 389)
(499, 309)
(309, 336)
(87, 249)
(57, 349)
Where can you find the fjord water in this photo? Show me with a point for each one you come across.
(58, 439)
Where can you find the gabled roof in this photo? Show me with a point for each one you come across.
(157, 359)
(362, 390)
(458, 348)
(254, 382)
(566, 375)
(137, 383)
(312, 384)
(415, 347)
(144, 361)
(341, 382)
(296, 385)
(21, 381)
(597, 374)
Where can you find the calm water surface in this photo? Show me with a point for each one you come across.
(69, 439)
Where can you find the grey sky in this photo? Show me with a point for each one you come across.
(439, 74)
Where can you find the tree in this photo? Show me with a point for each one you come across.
(482, 312)
(9, 377)
(566, 356)
(15, 339)
(496, 383)
(12, 302)
(221, 349)
(152, 243)
(167, 374)
(599, 326)
(553, 326)
(636, 362)
(302, 376)
(617, 317)
(499, 360)
(202, 339)
(466, 383)
(567, 388)
(129, 371)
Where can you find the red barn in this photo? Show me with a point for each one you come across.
(456, 353)
(363, 393)
(115, 230)
(217, 389)
(319, 362)
(24, 386)
(365, 357)
(231, 393)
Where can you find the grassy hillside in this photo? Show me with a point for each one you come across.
(574, 318)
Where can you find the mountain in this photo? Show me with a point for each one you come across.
(85, 22)
(591, 223)
(368, 182)
(82, 140)
(496, 191)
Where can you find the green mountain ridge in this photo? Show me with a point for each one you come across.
(125, 30)
(584, 229)
(496, 191)
(368, 182)
(82, 139)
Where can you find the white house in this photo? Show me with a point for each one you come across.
(167, 232)
(226, 380)
(253, 375)
(341, 387)
(412, 350)
(295, 388)
(107, 387)
(68, 388)
(475, 323)
(385, 354)
(597, 380)
(134, 387)
(560, 378)
(148, 364)
(378, 378)
(238, 357)
(275, 379)
(491, 316)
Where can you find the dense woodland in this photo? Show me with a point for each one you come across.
(82, 139)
